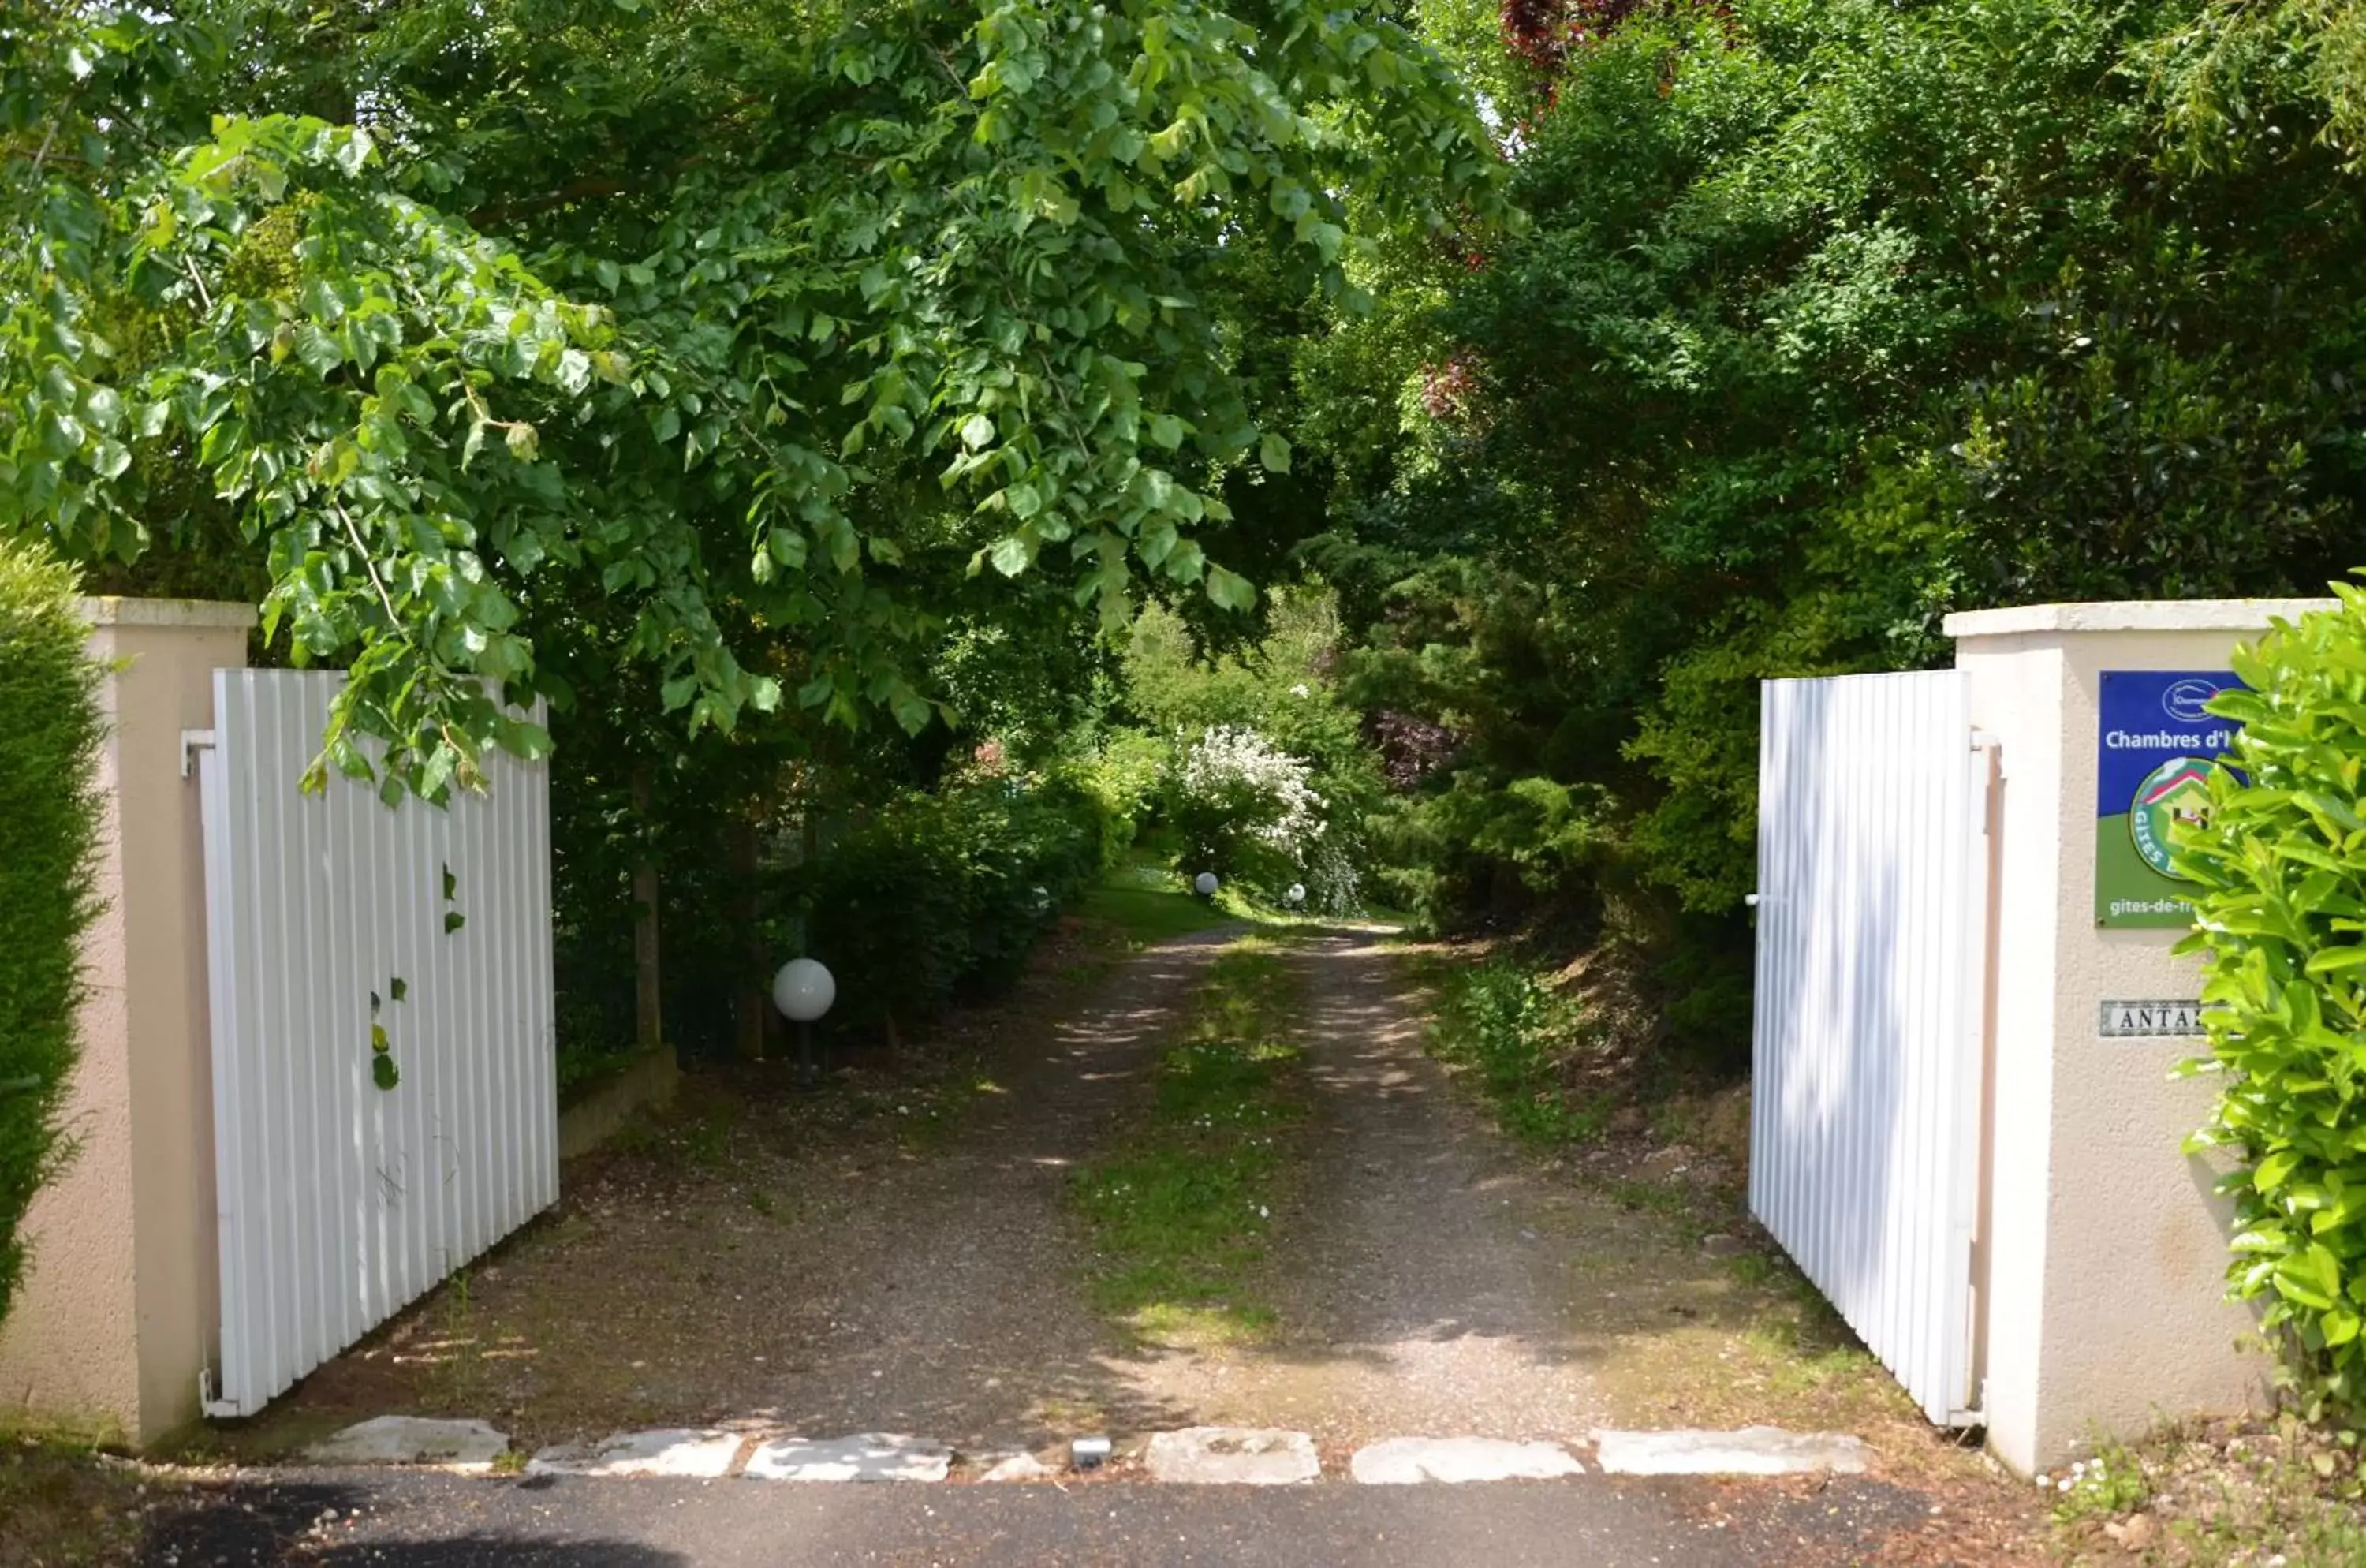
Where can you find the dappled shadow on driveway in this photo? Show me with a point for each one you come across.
(1432, 1277)
(951, 1286)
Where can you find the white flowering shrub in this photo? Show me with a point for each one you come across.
(1333, 886)
(1241, 807)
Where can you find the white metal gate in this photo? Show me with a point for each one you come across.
(334, 925)
(1872, 923)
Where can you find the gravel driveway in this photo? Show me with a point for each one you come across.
(1416, 1292)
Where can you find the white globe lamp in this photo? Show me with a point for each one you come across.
(803, 990)
(1204, 885)
(1297, 895)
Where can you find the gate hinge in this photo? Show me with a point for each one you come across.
(192, 742)
(216, 1409)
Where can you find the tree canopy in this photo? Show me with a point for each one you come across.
(1831, 317)
(527, 340)
(757, 366)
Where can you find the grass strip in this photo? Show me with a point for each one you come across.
(1513, 1033)
(61, 1503)
(1180, 1217)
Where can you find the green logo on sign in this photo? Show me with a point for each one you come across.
(2176, 791)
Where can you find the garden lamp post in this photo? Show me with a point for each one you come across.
(1296, 895)
(803, 990)
(1204, 885)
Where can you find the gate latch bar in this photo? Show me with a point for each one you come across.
(192, 742)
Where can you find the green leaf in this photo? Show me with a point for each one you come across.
(317, 351)
(1273, 453)
(384, 1073)
(2340, 812)
(1229, 590)
(1009, 555)
(354, 148)
(2310, 1278)
(436, 772)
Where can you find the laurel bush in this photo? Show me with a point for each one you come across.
(2282, 926)
(49, 732)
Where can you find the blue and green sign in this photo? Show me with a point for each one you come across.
(2159, 745)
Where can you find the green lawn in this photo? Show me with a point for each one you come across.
(1146, 915)
(1150, 903)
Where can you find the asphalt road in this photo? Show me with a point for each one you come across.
(415, 1521)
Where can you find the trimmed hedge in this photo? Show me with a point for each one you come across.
(943, 894)
(49, 732)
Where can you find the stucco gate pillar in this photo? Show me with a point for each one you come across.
(116, 1316)
(2103, 1251)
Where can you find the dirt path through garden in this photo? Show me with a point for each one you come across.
(940, 1296)
(1416, 1273)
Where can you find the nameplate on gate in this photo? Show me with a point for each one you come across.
(2133, 1020)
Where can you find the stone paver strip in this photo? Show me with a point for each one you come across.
(412, 1439)
(1241, 1456)
(678, 1452)
(865, 1456)
(1403, 1461)
(1753, 1450)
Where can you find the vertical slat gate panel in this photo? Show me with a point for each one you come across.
(341, 1203)
(1871, 896)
